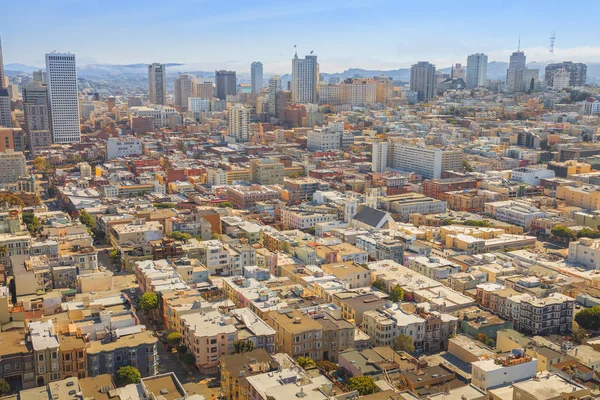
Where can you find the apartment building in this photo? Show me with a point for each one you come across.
(587, 197)
(514, 212)
(433, 267)
(12, 166)
(585, 252)
(351, 272)
(235, 367)
(551, 315)
(427, 161)
(17, 365)
(266, 171)
(412, 203)
(304, 219)
(137, 232)
(384, 325)
(73, 356)
(311, 333)
(244, 197)
(492, 373)
(44, 341)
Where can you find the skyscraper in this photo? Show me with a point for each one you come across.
(272, 94)
(577, 72)
(37, 116)
(238, 123)
(205, 90)
(422, 80)
(157, 84)
(256, 76)
(305, 78)
(476, 70)
(63, 97)
(379, 157)
(226, 84)
(185, 87)
(518, 77)
(2, 82)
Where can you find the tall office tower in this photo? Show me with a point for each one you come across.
(185, 87)
(476, 70)
(5, 114)
(256, 76)
(385, 89)
(63, 97)
(39, 76)
(305, 78)
(226, 84)
(379, 155)
(272, 93)
(238, 123)
(205, 90)
(458, 72)
(157, 84)
(2, 82)
(561, 79)
(35, 107)
(514, 74)
(422, 80)
(577, 73)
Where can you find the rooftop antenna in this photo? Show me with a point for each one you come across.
(552, 38)
(519, 46)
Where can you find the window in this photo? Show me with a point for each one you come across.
(40, 357)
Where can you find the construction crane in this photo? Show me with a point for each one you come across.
(552, 38)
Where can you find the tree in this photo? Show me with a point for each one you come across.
(188, 359)
(149, 301)
(127, 375)
(40, 164)
(181, 349)
(115, 256)
(589, 318)
(579, 336)
(225, 204)
(397, 294)
(215, 236)
(467, 167)
(305, 362)
(379, 284)
(87, 219)
(312, 230)
(180, 236)
(11, 200)
(326, 366)
(242, 346)
(477, 222)
(563, 232)
(364, 385)
(404, 343)
(588, 233)
(32, 222)
(482, 337)
(174, 338)
(164, 205)
(4, 387)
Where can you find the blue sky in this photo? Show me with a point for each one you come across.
(373, 34)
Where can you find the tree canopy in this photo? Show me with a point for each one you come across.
(326, 366)
(589, 318)
(87, 219)
(4, 387)
(379, 284)
(127, 375)
(242, 346)
(149, 301)
(562, 232)
(32, 222)
(404, 343)
(305, 362)
(174, 338)
(39, 164)
(11, 200)
(364, 385)
(180, 236)
(397, 294)
(588, 233)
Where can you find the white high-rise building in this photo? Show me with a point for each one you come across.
(238, 123)
(256, 76)
(379, 155)
(157, 84)
(422, 80)
(476, 70)
(561, 79)
(63, 97)
(305, 78)
(273, 90)
(197, 104)
(427, 161)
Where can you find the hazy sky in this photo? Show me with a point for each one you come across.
(371, 34)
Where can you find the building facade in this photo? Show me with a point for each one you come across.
(63, 97)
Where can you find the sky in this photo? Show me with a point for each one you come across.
(370, 34)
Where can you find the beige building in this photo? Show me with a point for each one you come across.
(587, 197)
(136, 232)
(12, 166)
(266, 172)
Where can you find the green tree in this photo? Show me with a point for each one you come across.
(164, 205)
(467, 167)
(40, 164)
(563, 232)
(312, 230)
(305, 362)
(86, 219)
(579, 336)
(215, 236)
(326, 366)
(588, 233)
(447, 221)
(180, 236)
(482, 337)
(115, 256)
(242, 346)
(32, 222)
(11, 200)
(149, 301)
(181, 349)
(379, 284)
(364, 385)
(4, 387)
(225, 204)
(404, 343)
(480, 223)
(397, 294)
(174, 338)
(127, 375)
(589, 318)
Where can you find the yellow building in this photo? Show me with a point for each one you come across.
(579, 196)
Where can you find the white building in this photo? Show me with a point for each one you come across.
(514, 212)
(292, 219)
(238, 123)
(330, 94)
(323, 140)
(427, 161)
(384, 326)
(561, 79)
(63, 97)
(491, 373)
(256, 76)
(197, 104)
(476, 70)
(160, 114)
(586, 252)
(532, 176)
(358, 91)
(305, 77)
(12, 166)
(379, 156)
(157, 84)
(123, 147)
